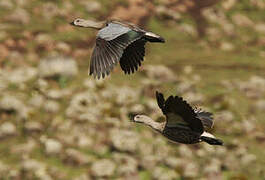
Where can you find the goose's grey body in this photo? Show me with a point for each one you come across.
(117, 41)
(183, 123)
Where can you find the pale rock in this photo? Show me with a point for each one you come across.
(189, 29)
(11, 103)
(191, 170)
(248, 159)
(43, 39)
(128, 165)
(84, 142)
(33, 126)
(36, 101)
(64, 47)
(21, 75)
(89, 83)
(58, 66)
(164, 174)
(19, 16)
(137, 108)
(21, 2)
(167, 13)
(188, 69)
(84, 176)
(160, 72)
(125, 95)
(173, 162)
(42, 84)
(92, 6)
(149, 161)
(51, 106)
(185, 151)
(185, 86)
(3, 167)
(103, 168)
(249, 125)
(226, 46)
(124, 140)
(6, 4)
(32, 165)
(77, 157)
(258, 3)
(7, 129)
(228, 4)
(194, 97)
(58, 94)
(260, 105)
(260, 28)
(242, 20)
(25, 148)
(53, 146)
(42, 174)
(81, 103)
(50, 10)
(213, 167)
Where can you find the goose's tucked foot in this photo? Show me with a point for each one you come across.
(212, 141)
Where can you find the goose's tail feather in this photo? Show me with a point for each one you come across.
(212, 141)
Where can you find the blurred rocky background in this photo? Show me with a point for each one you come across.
(56, 122)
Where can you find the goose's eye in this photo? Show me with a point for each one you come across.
(77, 20)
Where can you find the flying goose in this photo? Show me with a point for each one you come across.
(183, 123)
(117, 41)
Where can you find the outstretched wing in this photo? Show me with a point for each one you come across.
(206, 119)
(160, 101)
(179, 113)
(110, 45)
(132, 56)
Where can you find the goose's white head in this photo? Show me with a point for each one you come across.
(88, 23)
(140, 118)
(148, 121)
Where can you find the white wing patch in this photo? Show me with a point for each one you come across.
(207, 135)
(112, 31)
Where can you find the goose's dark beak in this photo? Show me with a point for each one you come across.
(72, 23)
(131, 117)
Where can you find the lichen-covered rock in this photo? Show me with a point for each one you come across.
(20, 15)
(52, 146)
(127, 164)
(164, 174)
(20, 75)
(7, 129)
(92, 6)
(77, 157)
(57, 66)
(103, 168)
(51, 106)
(160, 72)
(11, 103)
(124, 140)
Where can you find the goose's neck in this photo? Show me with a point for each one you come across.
(159, 126)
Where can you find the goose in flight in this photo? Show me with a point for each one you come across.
(117, 41)
(183, 123)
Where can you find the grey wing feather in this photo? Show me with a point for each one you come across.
(206, 119)
(111, 43)
(112, 31)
